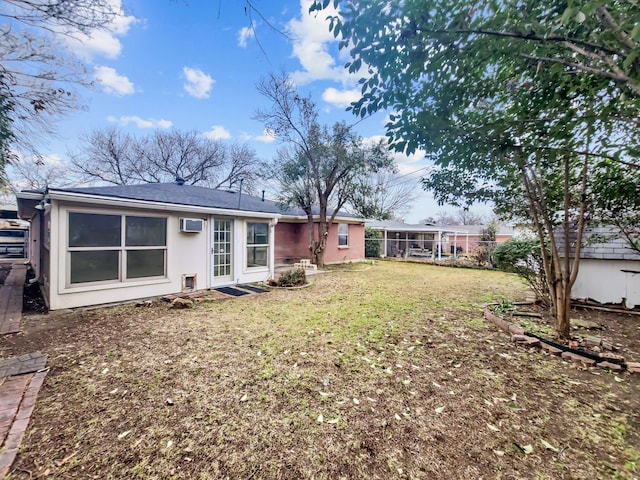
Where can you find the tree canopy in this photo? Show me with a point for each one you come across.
(522, 104)
(114, 157)
(318, 165)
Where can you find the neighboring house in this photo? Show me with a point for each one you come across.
(401, 239)
(431, 241)
(474, 232)
(97, 245)
(609, 270)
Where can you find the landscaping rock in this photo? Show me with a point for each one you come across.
(181, 303)
(610, 366)
(633, 367)
(574, 357)
(550, 348)
(588, 324)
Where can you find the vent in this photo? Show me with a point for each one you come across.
(191, 224)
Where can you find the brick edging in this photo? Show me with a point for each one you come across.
(519, 336)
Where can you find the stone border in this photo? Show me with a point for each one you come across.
(18, 396)
(520, 337)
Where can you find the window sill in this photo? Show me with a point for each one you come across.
(343, 247)
(94, 287)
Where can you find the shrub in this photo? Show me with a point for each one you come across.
(523, 257)
(292, 278)
(372, 242)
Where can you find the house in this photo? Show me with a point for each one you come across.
(609, 271)
(97, 245)
(401, 239)
(474, 234)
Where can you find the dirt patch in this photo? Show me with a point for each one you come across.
(618, 333)
(388, 373)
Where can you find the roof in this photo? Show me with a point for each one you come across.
(398, 226)
(183, 195)
(601, 243)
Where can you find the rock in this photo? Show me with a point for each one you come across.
(573, 357)
(612, 356)
(182, 303)
(588, 324)
(610, 366)
(592, 340)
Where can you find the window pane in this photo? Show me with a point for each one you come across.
(257, 256)
(94, 266)
(94, 230)
(146, 232)
(343, 234)
(257, 233)
(145, 263)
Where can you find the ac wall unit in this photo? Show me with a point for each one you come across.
(191, 224)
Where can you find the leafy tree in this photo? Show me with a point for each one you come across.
(522, 257)
(520, 104)
(617, 203)
(372, 242)
(319, 165)
(118, 158)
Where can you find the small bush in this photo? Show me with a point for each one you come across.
(372, 242)
(523, 257)
(292, 278)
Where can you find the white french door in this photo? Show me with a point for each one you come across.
(222, 251)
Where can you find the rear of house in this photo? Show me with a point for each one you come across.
(99, 245)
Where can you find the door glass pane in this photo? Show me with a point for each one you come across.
(222, 248)
(145, 263)
(146, 232)
(94, 266)
(94, 230)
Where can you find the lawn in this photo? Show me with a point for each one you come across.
(379, 372)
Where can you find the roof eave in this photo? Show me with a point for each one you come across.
(128, 202)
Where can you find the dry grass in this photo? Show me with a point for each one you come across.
(377, 373)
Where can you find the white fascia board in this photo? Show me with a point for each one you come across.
(30, 195)
(166, 207)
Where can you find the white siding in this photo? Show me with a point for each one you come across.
(608, 281)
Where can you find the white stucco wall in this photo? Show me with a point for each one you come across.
(608, 281)
(187, 254)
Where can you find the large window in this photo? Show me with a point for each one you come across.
(343, 234)
(257, 244)
(115, 247)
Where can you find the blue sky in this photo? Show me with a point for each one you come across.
(194, 65)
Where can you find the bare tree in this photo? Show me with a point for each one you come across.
(114, 157)
(38, 77)
(317, 170)
(39, 172)
(381, 194)
(467, 217)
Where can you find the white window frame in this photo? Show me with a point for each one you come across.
(257, 245)
(343, 235)
(122, 250)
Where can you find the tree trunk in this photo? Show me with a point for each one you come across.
(563, 310)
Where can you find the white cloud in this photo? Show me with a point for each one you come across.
(198, 84)
(140, 122)
(341, 98)
(311, 42)
(103, 42)
(217, 132)
(245, 34)
(112, 82)
(267, 137)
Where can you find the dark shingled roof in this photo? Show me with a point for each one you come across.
(190, 195)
